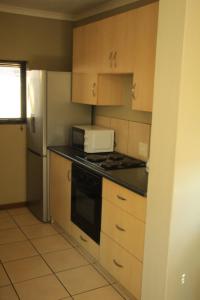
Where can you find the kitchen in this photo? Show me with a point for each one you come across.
(160, 187)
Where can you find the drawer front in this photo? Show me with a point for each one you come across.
(123, 228)
(123, 266)
(85, 241)
(127, 200)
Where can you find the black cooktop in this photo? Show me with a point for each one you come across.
(111, 161)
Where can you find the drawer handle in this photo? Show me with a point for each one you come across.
(119, 228)
(82, 238)
(117, 264)
(121, 198)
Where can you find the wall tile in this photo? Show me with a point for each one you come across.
(139, 140)
(121, 134)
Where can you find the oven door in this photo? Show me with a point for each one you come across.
(86, 201)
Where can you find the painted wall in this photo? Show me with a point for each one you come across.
(44, 43)
(172, 243)
(12, 164)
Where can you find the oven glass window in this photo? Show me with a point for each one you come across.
(85, 207)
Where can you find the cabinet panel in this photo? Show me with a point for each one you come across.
(144, 65)
(86, 48)
(84, 88)
(60, 191)
(127, 200)
(124, 267)
(85, 241)
(123, 228)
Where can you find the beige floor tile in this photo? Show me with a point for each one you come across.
(28, 268)
(3, 214)
(51, 243)
(38, 230)
(64, 260)
(7, 223)
(104, 273)
(8, 293)
(105, 293)
(4, 280)
(11, 235)
(21, 250)
(26, 219)
(43, 288)
(18, 211)
(81, 279)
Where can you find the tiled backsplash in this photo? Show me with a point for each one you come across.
(131, 138)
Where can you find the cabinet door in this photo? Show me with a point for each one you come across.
(106, 34)
(145, 47)
(85, 48)
(84, 88)
(60, 191)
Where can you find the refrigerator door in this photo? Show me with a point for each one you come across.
(36, 111)
(37, 185)
(61, 112)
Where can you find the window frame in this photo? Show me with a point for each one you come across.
(23, 67)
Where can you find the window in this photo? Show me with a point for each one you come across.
(12, 92)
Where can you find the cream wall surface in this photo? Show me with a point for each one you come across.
(45, 44)
(172, 244)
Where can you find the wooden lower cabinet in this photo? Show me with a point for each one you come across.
(123, 228)
(85, 241)
(60, 191)
(121, 265)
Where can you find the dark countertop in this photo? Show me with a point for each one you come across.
(134, 179)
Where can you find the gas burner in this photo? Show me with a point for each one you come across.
(96, 157)
(110, 165)
(115, 156)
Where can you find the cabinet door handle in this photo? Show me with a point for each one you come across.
(119, 228)
(111, 59)
(94, 85)
(115, 59)
(69, 175)
(133, 91)
(121, 198)
(117, 264)
(82, 239)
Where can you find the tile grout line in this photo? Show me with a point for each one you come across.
(40, 254)
(11, 283)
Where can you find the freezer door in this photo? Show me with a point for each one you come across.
(37, 185)
(61, 112)
(36, 111)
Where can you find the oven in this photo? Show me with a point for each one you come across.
(86, 201)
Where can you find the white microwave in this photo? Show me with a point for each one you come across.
(92, 139)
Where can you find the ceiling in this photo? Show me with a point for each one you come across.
(60, 9)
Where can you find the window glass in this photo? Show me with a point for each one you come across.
(12, 91)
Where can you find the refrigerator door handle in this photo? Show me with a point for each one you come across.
(33, 124)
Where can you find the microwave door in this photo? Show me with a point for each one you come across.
(78, 138)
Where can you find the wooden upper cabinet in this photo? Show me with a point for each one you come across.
(122, 44)
(144, 65)
(85, 48)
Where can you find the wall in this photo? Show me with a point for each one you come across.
(12, 164)
(172, 243)
(44, 43)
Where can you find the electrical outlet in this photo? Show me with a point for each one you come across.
(143, 150)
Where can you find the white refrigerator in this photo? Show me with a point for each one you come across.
(50, 115)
